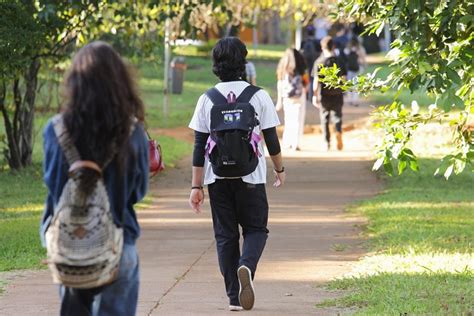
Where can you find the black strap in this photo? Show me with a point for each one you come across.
(215, 96)
(247, 94)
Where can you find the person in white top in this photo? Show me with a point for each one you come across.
(292, 97)
(238, 200)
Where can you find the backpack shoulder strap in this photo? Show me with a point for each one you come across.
(64, 140)
(215, 96)
(247, 94)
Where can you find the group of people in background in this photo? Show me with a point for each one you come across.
(298, 81)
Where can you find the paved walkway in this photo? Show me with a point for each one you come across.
(311, 241)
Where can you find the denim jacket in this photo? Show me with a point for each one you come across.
(124, 191)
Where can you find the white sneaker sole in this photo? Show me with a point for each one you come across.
(246, 291)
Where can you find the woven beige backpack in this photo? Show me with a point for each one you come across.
(84, 245)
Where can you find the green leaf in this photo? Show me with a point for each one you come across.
(388, 167)
(402, 165)
(414, 165)
(453, 75)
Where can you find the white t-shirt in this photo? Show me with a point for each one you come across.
(267, 116)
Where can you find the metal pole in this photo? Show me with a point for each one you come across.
(166, 69)
(298, 31)
(254, 31)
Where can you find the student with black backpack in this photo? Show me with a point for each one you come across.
(356, 62)
(329, 100)
(229, 158)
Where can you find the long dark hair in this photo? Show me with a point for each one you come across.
(292, 63)
(101, 103)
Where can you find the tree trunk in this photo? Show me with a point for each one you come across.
(19, 124)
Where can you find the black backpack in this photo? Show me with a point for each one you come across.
(328, 63)
(232, 146)
(353, 61)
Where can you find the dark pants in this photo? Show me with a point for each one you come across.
(118, 298)
(234, 203)
(331, 104)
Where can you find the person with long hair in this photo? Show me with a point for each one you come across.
(103, 116)
(292, 97)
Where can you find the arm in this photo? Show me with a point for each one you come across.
(196, 198)
(316, 92)
(273, 146)
(279, 103)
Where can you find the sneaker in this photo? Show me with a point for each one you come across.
(246, 291)
(235, 308)
(339, 141)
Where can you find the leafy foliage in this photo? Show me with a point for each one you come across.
(434, 50)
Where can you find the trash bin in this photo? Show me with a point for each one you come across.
(178, 66)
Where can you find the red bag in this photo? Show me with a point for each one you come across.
(156, 157)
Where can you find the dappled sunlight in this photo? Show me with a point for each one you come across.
(414, 263)
(24, 208)
(418, 205)
(177, 221)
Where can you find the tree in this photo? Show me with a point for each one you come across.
(434, 50)
(29, 32)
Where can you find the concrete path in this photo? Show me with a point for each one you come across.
(311, 241)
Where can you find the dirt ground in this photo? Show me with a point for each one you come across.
(312, 239)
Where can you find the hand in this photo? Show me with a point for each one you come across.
(316, 102)
(196, 198)
(279, 179)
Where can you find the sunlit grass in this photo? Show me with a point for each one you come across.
(422, 248)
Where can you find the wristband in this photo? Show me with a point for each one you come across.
(197, 187)
(280, 171)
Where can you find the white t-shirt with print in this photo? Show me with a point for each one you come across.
(267, 116)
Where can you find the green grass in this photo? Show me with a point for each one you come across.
(420, 231)
(23, 196)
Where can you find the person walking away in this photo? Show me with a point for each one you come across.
(292, 97)
(310, 49)
(228, 122)
(329, 100)
(356, 63)
(95, 151)
(250, 73)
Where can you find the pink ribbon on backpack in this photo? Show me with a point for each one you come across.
(231, 98)
(254, 140)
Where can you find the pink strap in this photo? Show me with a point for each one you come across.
(254, 140)
(210, 145)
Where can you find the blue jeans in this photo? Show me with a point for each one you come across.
(234, 203)
(118, 298)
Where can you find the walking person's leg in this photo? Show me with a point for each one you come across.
(338, 124)
(121, 297)
(290, 134)
(325, 117)
(252, 209)
(226, 232)
(301, 121)
(78, 302)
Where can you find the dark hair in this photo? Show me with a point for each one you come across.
(228, 57)
(300, 63)
(102, 101)
(327, 43)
